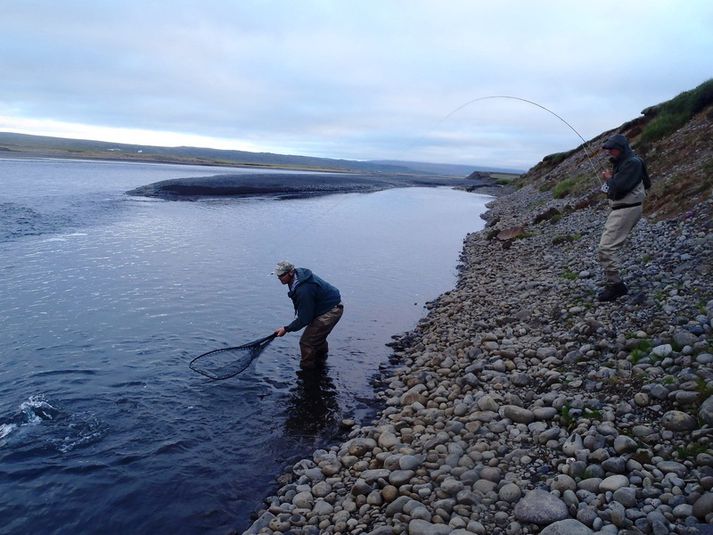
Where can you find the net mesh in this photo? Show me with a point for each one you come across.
(229, 361)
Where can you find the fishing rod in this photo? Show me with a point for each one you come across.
(510, 97)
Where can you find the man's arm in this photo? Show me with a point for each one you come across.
(625, 179)
(307, 303)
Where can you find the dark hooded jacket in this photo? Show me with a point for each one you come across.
(626, 184)
(312, 297)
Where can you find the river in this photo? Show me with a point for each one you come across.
(105, 299)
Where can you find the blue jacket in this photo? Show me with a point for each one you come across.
(312, 297)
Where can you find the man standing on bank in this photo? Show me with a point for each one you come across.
(318, 307)
(625, 185)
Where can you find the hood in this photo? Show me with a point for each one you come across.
(619, 141)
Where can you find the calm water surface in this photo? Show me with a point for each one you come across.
(105, 298)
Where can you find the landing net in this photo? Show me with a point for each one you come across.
(230, 361)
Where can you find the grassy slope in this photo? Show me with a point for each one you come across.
(679, 157)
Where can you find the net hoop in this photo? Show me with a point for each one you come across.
(256, 347)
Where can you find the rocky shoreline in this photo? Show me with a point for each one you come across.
(520, 404)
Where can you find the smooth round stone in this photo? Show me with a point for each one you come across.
(484, 486)
(544, 413)
(672, 467)
(374, 498)
(389, 493)
(322, 508)
(397, 505)
(421, 513)
(624, 444)
(641, 399)
(663, 350)
(625, 496)
(613, 483)
(540, 507)
(303, 500)
(616, 465)
(568, 526)
(641, 431)
(683, 510)
(517, 414)
(510, 493)
(359, 446)
(563, 482)
(487, 403)
(400, 477)
(572, 445)
(423, 527)
(491, 474)
(678, 421)
(461, 409)
(410, 462)
(388, 440)
(451, 486)
(372, 475)
(321, 489)
(703, 506)
(706, 411)
(704, 358)
(361, 487)
(315, 474)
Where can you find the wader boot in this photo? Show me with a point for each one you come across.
(612, 292)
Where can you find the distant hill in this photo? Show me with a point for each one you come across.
(449, 169)
(23, 144)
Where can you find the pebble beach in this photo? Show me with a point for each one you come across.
(519, 404)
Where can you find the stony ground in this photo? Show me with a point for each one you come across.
(522, 405)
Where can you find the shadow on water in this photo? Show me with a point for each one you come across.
(312, 409)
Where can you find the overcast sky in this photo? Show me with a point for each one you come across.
(356, 79)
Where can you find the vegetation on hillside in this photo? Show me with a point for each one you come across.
(674, 137)
(673, 114)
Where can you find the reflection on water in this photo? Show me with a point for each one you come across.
(312, 406)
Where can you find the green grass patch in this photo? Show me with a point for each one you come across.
(592, 414)
(569, 275)
(691, 451)
(567, 419)
(566, 238)
(704, 388)
(637, 354)
(676, 112)
(526, 234)
(504, 178)
(557, 158)
(564, 188)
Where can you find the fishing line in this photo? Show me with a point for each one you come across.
(510, 97)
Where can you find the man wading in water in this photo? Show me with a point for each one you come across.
(317, 306)
(625, 185)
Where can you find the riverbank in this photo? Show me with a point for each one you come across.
(520, 404)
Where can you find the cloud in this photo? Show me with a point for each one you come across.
(363, 80)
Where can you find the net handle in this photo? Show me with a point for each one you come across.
(259, 341)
